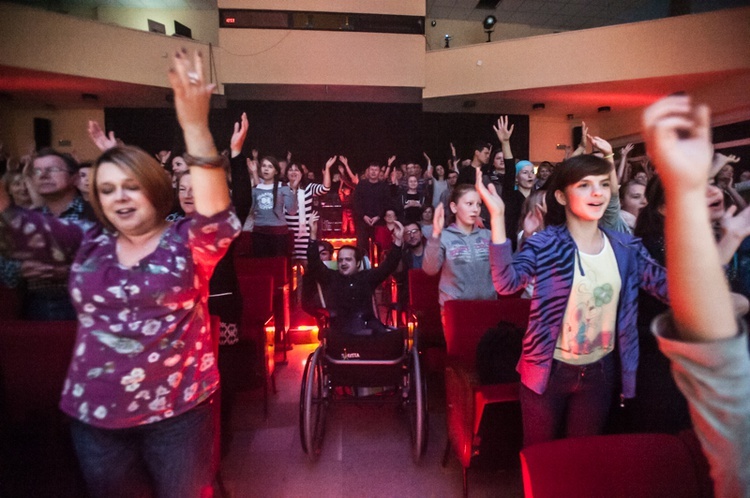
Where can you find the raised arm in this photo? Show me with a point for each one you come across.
(623, 162)
(352, 177)
(496, 208)
(581, 149)
(710, 361)
(678, 140)
(433, 253)
(238, 136)
(192, 99)
(504, 132)
(241, 181)
(454, 159)
(99, 138)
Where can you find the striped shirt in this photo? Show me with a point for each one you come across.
(301, 238)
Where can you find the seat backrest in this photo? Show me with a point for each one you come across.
(244, 244)
(276, 266)
(257, 298)
(34, 359)
(467, 321)
(621, 465)
(11, 300)
(423, 291)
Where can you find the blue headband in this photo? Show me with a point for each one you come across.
(521, 165)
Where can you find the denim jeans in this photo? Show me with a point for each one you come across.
(576, 402)
(172, 458)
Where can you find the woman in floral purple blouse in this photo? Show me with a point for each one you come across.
(141, 381)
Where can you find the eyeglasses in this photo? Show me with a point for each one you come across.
(413, 231)
(51, 170)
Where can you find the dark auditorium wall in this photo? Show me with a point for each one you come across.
(314, 131)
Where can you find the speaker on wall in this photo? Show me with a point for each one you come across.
(42, 133)
(577, 135)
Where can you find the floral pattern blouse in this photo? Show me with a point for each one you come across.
(143, 350)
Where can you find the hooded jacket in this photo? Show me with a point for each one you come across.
(465, 262)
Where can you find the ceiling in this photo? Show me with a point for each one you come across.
(28, 88)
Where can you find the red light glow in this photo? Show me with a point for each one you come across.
(230, 20)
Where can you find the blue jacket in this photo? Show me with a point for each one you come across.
(550, 257)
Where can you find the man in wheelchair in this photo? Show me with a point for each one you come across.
(348, 295)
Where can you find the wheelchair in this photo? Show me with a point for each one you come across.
(344, 364)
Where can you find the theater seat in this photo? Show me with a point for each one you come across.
(36, 453)
(256, 345)
(622, 465)
(467, 400)
(424, 307)
(278, 268)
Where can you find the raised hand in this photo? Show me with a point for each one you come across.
(598, 143)
(163, 156)
(239, 135)
(101, 140)
(295, 181)
(720, 160)
(490, 197)
(678, 140)
(254, 154)
(453, 150)
(289, 156)
(331, 161)
(192, 96)
(734, 229)
(252, 165)
(438, 220)
(398, 233)
(429, 162)
(313, 220)
(626, 150)
(391, 160)
(502, 130)
(534, 220)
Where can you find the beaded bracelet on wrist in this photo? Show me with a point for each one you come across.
(217, 161)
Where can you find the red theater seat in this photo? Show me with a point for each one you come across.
(278, 268)
(257, 328)
(465, 324)
(424, 306)
(622, 465)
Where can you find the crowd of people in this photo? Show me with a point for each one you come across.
(138, 249)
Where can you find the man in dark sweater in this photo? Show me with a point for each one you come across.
(468, 174)
(371, 197)
(348, 291)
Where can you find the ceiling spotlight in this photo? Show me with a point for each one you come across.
(489, 26)
(604, 108)
(538, 106)
(447, 41)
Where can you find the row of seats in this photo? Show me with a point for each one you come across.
(622, 465)
(34, 358)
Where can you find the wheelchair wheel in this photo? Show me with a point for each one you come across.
(417, 407)
(313, 400)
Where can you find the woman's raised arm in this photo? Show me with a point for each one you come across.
(192, 99)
